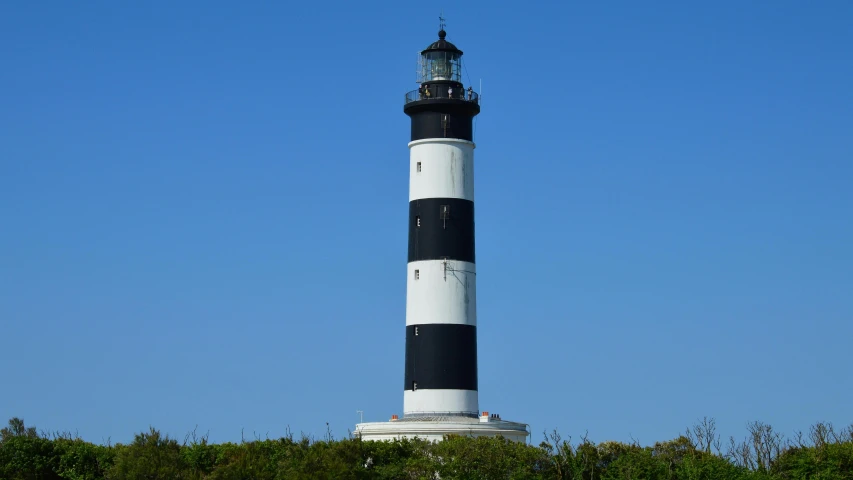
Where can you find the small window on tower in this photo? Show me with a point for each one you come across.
(417, 274)
(416, 331)
(419, 167)
(418, 221)
(414, 385)
(445, 212)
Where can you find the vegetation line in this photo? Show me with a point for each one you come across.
(823, 452)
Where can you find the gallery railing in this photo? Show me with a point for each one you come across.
(442, 92)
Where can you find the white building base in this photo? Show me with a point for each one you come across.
(434, 429)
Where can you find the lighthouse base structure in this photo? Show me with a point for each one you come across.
(433, 429)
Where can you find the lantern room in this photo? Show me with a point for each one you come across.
(441, 61)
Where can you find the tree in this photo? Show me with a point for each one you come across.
(151, 456)
(80, 460)
(17, 428)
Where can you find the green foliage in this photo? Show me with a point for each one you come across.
(28, 458)
(151, 456)
(79, 460)
(17, 428)
(488, 458)
(822, 454)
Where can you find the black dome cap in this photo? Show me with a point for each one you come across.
(442, 45)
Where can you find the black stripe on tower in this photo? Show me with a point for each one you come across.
(442, 125)
(447, 113)
(441, 356)
(441, 228)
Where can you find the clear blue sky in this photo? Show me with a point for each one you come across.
(204, 210)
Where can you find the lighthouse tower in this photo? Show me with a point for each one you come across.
(441, 299)
(440, 389)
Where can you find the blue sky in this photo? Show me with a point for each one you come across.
(204, 210)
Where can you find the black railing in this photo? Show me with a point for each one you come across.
(442, 92)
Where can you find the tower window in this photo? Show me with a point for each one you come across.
(416, 331)
(418, 221)
(419, 167)
(445, 212)
(417, 274)
(414, 385)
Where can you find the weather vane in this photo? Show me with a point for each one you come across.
(441, 23)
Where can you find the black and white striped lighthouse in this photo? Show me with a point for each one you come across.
(441, 301)
(440, 386)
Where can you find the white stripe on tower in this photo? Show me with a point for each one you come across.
(441, 168)
(441, 293)
(424, 402)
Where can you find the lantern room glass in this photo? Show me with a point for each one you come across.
(440, 66)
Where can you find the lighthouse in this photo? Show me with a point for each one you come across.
(440, 387)
(441, 293)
